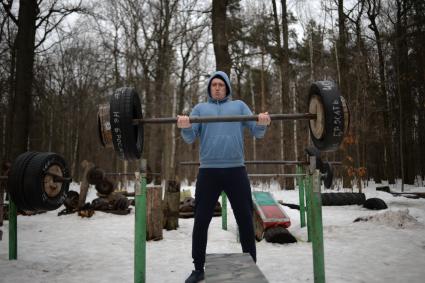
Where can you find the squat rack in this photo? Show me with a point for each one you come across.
(309, 188)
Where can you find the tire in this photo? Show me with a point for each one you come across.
(100, 204)
(325, 199)
(127, 138)
(95, 175)
(279, 235)
(121, 204)
(105, 187)
(375, 204)
(35, 178)
(16, 180)
(71, 200)
(360, 198)
(330, 138)
(338, 199)
(328, 179)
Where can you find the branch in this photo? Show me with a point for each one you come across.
(7, 6)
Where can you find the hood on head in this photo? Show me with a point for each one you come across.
(222, 75)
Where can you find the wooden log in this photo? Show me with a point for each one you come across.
(221, 268)
(84, 186)
(154, 213)
(171, 205)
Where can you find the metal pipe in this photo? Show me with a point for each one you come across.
(57, 178)
(276, 175)
(264, 162)
(127, 174)
(235, 118)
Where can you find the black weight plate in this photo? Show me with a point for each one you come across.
(95, 175)
(35, 181)
(105, 187)
(71, 200)
(127, 138)
(16, 179)
(333, 134)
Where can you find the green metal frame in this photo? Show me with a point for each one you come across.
(300, 181)
(315, 224)
(223, 211)
(13, 231)
(140, 227)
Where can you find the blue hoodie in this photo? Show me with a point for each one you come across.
(222, 144)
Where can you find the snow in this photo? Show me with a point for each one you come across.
(389, 247)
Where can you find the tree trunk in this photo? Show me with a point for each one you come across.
(220, 42)
(373, 11)
(28, 10)
(286, 96)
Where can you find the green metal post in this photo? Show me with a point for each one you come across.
(308, 189)
(13, 231)
(140, 226)
(300, 181)
(223, 211)
(317, 230)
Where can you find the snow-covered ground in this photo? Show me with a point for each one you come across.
(390, 248)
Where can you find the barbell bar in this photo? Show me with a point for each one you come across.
(276, 175)
(56, 178)
(234, 118)
(267, 162)
(121, 122)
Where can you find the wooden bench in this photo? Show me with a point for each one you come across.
(235, 268)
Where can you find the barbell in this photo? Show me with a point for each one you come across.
(121, 122)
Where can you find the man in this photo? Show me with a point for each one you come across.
(222, 166)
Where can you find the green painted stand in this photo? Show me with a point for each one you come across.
(140, 227)
(300, 181)
(316, 226)
(308, 183)
(223, 211)
(13, 231)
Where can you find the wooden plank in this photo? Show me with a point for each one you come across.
(84, 186)
(154, 213)
(235, 268)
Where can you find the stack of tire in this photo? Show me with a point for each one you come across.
(96, 176)
(31, 185)
(187, 208)
(108, 200)
(337, 199)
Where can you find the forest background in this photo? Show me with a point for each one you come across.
(60, 59)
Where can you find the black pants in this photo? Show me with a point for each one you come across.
(209, 185)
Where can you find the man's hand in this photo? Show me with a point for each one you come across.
(183, 121)
(264, 119)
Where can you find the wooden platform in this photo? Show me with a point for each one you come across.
(235, 268)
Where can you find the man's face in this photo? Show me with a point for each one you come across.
(218, 89)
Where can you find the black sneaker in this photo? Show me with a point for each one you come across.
(195, 277)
